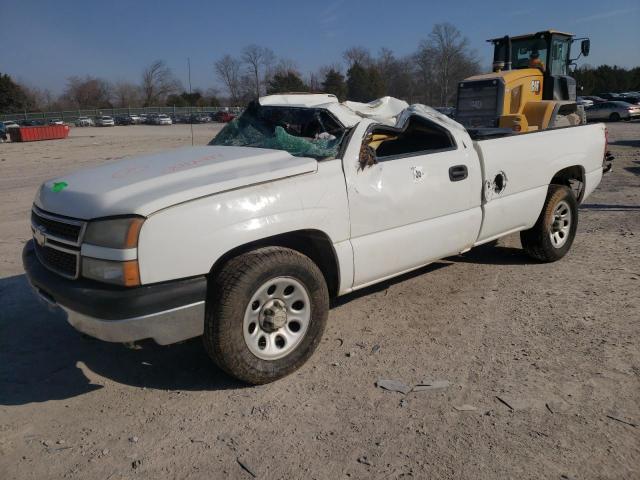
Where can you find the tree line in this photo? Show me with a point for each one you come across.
(428, 75)
(158, 86)
(593, 80)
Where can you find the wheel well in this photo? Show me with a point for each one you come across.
(572, 177)
(313, 243)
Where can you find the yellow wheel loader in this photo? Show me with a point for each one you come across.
(529, 89)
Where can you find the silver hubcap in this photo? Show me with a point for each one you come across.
(277, 318)
(560, 224)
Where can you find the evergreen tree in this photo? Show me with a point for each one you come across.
(357, 84)
(12, 97)
(334, 83)
(286, 82)
(364, 84)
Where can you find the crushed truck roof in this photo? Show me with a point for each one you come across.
(387, 110)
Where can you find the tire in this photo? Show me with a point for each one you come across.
(614, 117)
(246, 332)
(552, 236)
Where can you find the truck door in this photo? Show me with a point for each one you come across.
(418, 199)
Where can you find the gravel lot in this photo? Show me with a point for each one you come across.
(548, 355)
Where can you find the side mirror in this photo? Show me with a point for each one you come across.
(585, 46)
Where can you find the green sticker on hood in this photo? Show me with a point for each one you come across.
(59, 186)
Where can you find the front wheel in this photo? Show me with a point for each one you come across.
(614, 117)
(552, 236)
(266, 313)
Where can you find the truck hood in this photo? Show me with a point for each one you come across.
(146, 184)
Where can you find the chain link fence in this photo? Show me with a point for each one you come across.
(70, 116)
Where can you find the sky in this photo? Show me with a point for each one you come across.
(45, 42)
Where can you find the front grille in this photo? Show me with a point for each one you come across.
(63, 262)
(478, 103)
(63, 229)
(57, 242)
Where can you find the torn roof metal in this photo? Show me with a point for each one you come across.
(387, 110)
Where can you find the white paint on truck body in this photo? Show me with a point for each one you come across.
(143, 185)
(203, 202)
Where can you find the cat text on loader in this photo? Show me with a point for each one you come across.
(529, 89)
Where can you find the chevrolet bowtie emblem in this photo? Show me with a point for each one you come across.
(38, 235)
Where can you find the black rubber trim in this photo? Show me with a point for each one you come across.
(110, 302)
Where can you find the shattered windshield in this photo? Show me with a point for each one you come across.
(303, 132)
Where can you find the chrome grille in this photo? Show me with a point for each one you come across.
(64, 262)
(57, 242)
(62, 229)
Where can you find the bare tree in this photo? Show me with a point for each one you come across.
(228, 71)
(157, 83)
(359, 55)
(447, 55)
(126, 94)
(87, 92)
(38, 98)
(259, 61)
(286, 65)
(315, 82)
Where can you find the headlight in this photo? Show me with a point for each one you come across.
(119, 273)
(116, 233)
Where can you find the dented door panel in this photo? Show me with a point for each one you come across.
(407, 211)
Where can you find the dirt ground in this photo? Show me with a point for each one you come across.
(548, 356)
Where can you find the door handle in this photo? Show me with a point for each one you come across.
(458, 172)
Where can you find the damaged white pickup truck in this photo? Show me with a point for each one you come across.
(299, 200)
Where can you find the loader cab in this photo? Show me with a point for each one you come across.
(530, 87)
(548, 51)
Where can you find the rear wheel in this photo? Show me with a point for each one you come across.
(552, 236)
(614, 117)
(266, 313)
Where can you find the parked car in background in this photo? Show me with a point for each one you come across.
(105, 121)
(613, 111)
(56, 121)
(3, 132)
(124, 120)
(33, 122)
(143, 118)
(633, 99)
(135, 119)
(594, 98)
(609, 96)
(162, 119)
(585, 102)
(84, 122)
(222, 116)
(199, 118)
(151, 118)
(10, 124)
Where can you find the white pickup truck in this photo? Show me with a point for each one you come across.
(299, 200)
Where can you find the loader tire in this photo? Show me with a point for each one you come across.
(265, 314)
(552, 236)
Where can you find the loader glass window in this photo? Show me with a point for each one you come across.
(526, 50)
(419, 137)
(559, 56)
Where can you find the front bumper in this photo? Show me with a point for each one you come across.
(166, 312)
